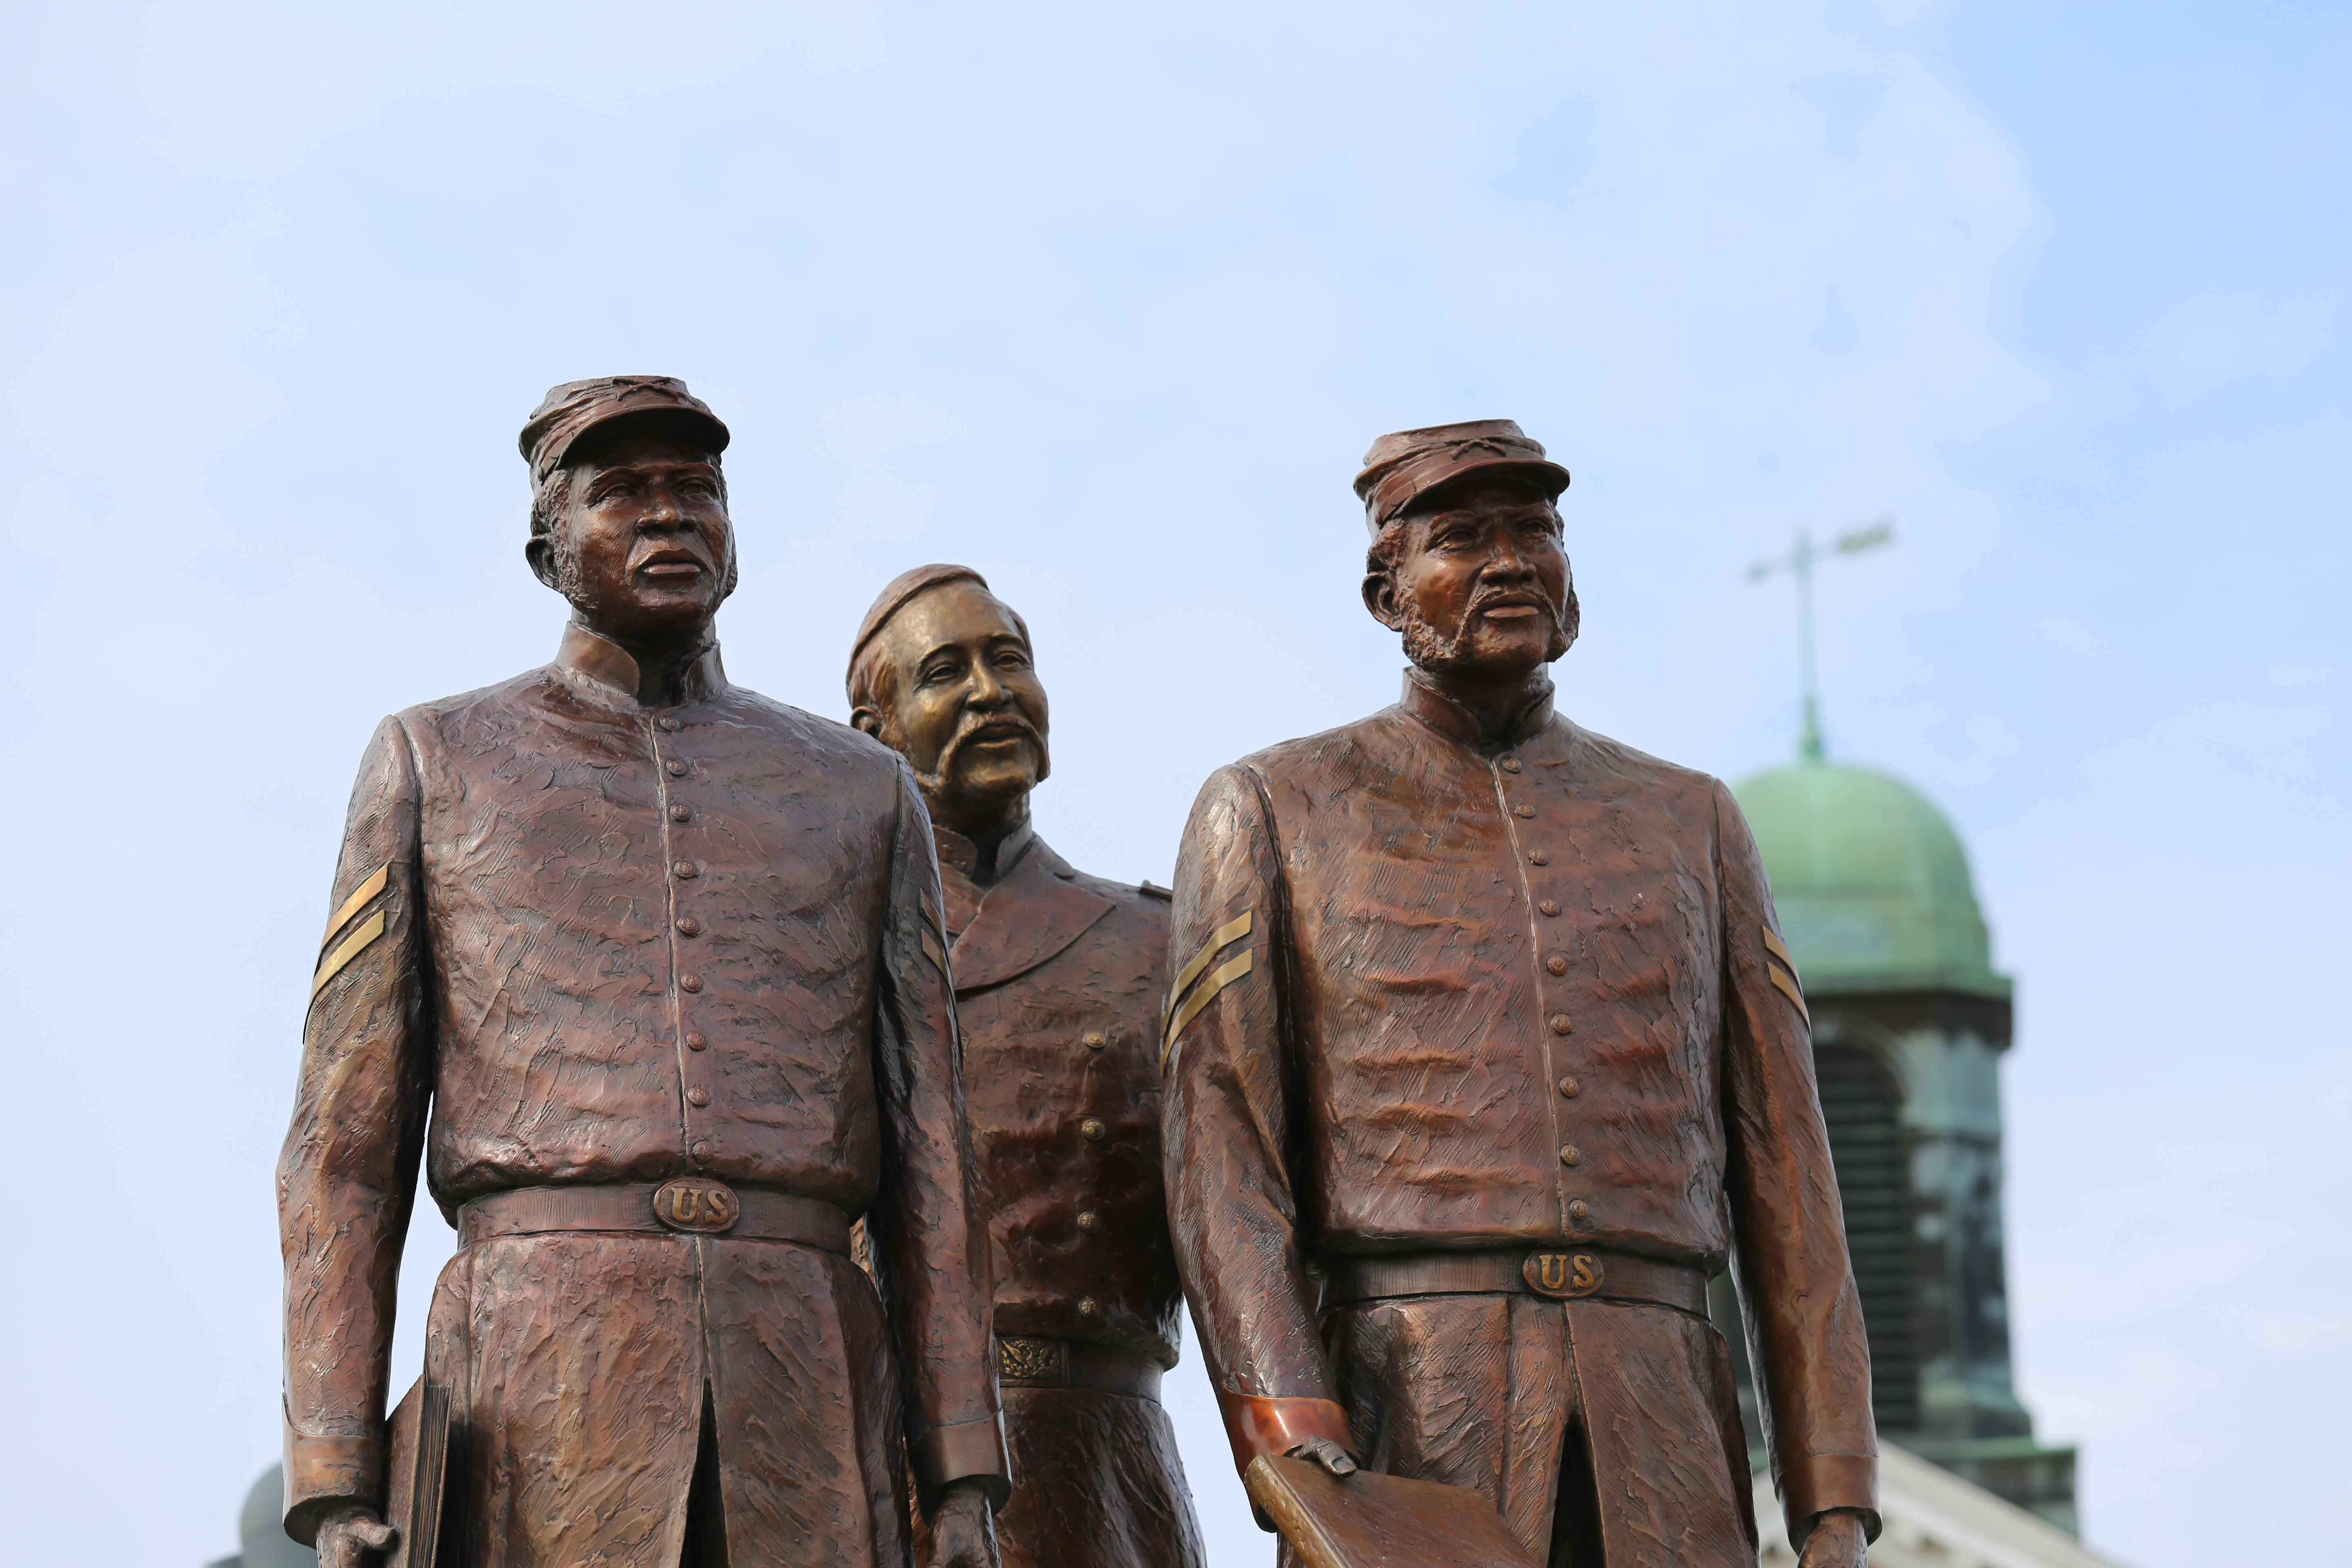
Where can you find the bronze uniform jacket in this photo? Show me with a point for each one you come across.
(1058, 981)
(1059, 977)
(1433, 997)
(611, 945)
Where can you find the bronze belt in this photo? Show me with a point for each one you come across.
(1560, 1273)
(690, 1205)
(1033, 1360)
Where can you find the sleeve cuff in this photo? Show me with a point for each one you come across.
(964, 1451)
(1259, 1426)
(1819, 1483)
(322, 1472)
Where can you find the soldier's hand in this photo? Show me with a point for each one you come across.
(1837, 1542)
(347, 1531)
(963, 1531)
(1326, 1453)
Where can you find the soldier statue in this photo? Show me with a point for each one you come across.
(659, 953)
(1058, 979)
(1486, 1053)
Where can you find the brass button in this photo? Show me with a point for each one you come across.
(1094, 1128)
(1555, 964)
(1580, 1209)
(1511, 764)
(1550, 906)
(1096, 1040)
(687, 869)
(701, 1150)
(1089, 1220)
(669, 722)
(689, 926)
(1569, 1155)
(1571, 1088)
(697, 1095)
(1538, 857)
(695, 1042)
(681, 812)
(676, 766)
(1560, 1024)
(690, 982)
(1089, 1307)
(1524, 810)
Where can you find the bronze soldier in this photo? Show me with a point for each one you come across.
(1484, 1053)
(661, 954)
(1058, 978)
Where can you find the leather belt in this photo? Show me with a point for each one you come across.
(1033, 1360)
(1560, 1273)
(690, 1205)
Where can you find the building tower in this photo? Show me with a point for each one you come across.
(1910, 1022)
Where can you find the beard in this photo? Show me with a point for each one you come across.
(579, 587)
(1434, 651)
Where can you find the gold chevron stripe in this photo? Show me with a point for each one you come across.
(356, 902)
(931, 950)
(1239, 926)
(1788, 984)
(1224, 976)
(1778, 949)
(331, 965)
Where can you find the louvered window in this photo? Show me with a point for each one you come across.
(1863, 1105)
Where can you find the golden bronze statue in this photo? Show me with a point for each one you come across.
(1058, 978)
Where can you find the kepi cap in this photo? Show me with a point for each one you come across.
(572, 410)
(897, 593)
(1403, 466)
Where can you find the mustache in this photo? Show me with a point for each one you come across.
(1000, 723)
(1519, 597)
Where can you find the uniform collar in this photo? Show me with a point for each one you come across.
(1035, 909)
(608, 664)
(1425, 702)
(959, 854)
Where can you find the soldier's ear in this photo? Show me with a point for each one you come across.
(1379, 594)
(865, 720)
(539, 551)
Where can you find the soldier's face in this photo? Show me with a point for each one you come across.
(968, 712)
(644, 549)
(1478, 585)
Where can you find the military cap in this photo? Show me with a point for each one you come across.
(897, 593)
(1403, 466)
(572, 410)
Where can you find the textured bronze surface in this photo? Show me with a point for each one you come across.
(1461, 902)
(537, 988)
(1371, 1520)
(1059, 980)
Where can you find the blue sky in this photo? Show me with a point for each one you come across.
(1108, 305)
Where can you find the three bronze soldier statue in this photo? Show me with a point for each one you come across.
(830, 1158)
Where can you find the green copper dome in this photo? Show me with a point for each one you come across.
(1871, 882)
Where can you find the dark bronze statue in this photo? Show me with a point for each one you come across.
(1484, 1053)
(1058, 979)
(663, 957)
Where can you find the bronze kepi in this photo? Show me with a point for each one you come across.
(1058, 978)
(1484, 1053)
(664, 957)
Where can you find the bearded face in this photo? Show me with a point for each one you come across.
(1477, 585)
(960, 701)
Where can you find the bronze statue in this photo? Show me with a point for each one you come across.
(1058, 977)
(664, 957)
(1486, 1052)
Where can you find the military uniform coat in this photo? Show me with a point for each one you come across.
(1059, 977)
(610, 944)
(1436, 997)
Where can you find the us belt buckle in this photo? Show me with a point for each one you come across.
(696, 1204)
(1562, 1275)
(1021, 1359)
